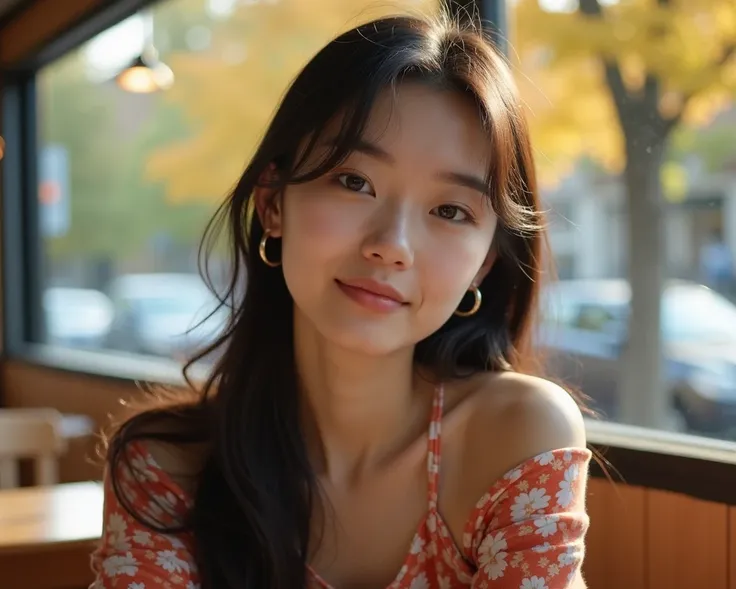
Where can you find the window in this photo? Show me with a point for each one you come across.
(635, 160)
(710, 318)
(128, 181)
(623, 122)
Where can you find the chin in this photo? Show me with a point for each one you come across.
(380, 335)
(375, 344)
(367, 337)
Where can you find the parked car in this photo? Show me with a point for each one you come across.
(168, 315)
(585, 329)
(76, 317)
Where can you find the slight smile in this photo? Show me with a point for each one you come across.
(373, 295)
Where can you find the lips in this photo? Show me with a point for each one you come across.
(376, 288)
(372, 295)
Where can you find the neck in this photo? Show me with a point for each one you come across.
(360, 410)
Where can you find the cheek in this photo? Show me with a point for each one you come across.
(316, 227)
(452, 269)
(319, 231)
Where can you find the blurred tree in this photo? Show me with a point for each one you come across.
(616, 78)
(713, 146)
(230, 90)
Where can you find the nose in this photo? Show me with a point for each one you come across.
(389, 242)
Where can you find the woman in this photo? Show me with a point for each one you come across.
(372, 421)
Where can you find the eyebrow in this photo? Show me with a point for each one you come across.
(467, 180)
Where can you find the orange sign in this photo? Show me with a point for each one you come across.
(49, 193)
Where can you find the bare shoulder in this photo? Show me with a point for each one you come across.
(533, 414)
(505, 419)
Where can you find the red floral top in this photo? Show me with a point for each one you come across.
(526, 532)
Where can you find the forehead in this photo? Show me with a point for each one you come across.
(439, 126)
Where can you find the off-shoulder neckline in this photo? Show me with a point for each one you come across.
(486, 503)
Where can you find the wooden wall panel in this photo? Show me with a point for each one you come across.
(41, 21)
(732, 548)
(687, 542)
(615, 547)
(55, 569)
(27, 385)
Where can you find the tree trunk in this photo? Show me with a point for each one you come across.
(643, 397)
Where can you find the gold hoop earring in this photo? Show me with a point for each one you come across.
(262, 250)
(476, 304)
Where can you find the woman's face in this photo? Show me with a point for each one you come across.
(379, 253)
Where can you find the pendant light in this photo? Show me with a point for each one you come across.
(146, 73)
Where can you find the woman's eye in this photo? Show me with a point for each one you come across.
(451, 213)
(355, 183)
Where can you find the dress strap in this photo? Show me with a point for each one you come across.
(434, 447)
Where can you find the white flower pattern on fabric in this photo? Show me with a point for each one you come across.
(420, 582)
(141, 468)
(491, 555)
(513, 475)
(517, 535)
(123, 564)
(170, 562)
(534, 583)
(142, 538)
(568, 557)
(527, 504)
(545, 459)
(546, 525)
(116, 533)
(566, 494)
(417, 544)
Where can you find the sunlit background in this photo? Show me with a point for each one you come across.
(632, 109)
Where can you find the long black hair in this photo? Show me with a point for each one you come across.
(256, 491)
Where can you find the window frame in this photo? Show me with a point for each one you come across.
(18, 90)
(696, 466)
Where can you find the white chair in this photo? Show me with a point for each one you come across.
(34, 434)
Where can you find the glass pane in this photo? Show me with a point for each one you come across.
(129, 180)
(633, 113)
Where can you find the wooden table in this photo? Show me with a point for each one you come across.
(47, 534)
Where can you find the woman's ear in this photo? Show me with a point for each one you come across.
(268, 200)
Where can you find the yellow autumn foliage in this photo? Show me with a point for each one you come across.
(559, 57)
(230, 91)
